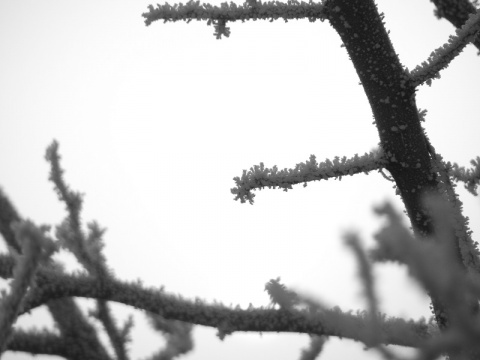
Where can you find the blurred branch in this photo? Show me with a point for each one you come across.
(76, 331)
(435, 266)
(88, 250)
(8, 216)
(37, 248)
(315, 347)
(177, 333)
(52, 285)
(40, 342)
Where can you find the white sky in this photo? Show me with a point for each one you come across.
(154, 123)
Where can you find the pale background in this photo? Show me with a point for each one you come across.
(154, 123)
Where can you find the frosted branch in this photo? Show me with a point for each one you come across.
(330, 322)
(259, 176)
(251, 10)
(441, 57)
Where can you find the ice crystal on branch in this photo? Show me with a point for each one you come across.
(311, 170)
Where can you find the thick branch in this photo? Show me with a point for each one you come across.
(392, 99)
(391, 94)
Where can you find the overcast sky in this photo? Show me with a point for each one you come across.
(155, 122)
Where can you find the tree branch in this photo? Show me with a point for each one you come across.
(392, 98)
(441, 57)
(391, 94)
(259, 176)
(250, 10)
(52, 285)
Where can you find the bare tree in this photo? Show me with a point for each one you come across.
(438, 248)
